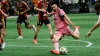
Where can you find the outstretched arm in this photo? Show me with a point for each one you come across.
(43, 10)
(93, 28)
(67, 20)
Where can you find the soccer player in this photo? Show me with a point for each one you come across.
(61, 21)
(4, 8)
(22, 9)
(42, 18)
(2, 28)
(97, 24)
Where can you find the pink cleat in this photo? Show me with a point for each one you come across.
(55, 52)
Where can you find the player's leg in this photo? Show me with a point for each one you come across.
(76, 33)
(19, 21)
(39, 24)
(29, 26)
(0, 44)
(50, 29)
(5, 22)
(0, 41)
(55, 42)
(4, 33)
(47, 23)
(36, 34)
(19, 31)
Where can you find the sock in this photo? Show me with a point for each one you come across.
(35, 37)
(52, 37)
(0, 45)
(56, 46)
(19, 31)
(2, 40)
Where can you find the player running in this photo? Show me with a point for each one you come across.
(4, 8)
(22, 9)
(97, 24)
(42, 18)
(61, 21)
(2, 28)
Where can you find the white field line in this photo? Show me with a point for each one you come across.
(89, 43)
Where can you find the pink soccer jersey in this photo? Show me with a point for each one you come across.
(61, 26)
(57, 19)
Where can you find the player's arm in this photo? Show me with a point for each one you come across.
(3, 13)
(97, 24)
(27, 8)
(16, 11)
(66, 18)
(43, 10)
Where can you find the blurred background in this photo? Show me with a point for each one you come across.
(69, 6)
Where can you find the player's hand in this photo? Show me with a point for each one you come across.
(6, 15)
(35, 8)
(88, 34)
(17, 12)
(21, 13)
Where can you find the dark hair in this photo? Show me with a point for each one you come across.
(97, 6)
(52, 3)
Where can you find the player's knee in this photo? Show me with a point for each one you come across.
(54, 40)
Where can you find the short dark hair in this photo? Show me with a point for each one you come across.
(97, 6)
(52, 3)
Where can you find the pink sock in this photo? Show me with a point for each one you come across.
(56, 46)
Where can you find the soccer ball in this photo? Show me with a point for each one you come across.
(63, 51)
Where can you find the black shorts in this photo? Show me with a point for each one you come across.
(40, 22)
(22, 19)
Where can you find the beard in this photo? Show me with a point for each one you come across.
(97, 13)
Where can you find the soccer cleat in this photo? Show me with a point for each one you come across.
(0, 49)
(35, 42)
(3, 45)
(55, 52)
(20, 37)
(34, 27)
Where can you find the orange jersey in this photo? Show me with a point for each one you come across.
(42, 15)
(35, 2)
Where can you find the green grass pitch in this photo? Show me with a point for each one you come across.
(25, 47)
